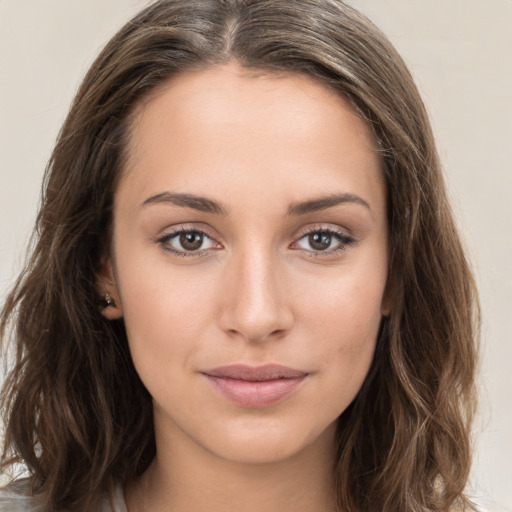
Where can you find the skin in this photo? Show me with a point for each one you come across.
(256, 292)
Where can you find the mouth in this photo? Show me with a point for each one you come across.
(260, 386)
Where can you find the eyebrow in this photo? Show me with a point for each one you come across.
(201, 204)
(206, 205)
(323, 203)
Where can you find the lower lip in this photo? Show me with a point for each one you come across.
(255, 393)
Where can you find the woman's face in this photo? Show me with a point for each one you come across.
(250, 260)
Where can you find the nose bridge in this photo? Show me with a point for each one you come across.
(256, 306)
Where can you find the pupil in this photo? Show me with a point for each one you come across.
(320, 241)
(191, 241)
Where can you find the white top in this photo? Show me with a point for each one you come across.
(16, 498)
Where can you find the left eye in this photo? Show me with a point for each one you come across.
(323, 241)
(188, 241)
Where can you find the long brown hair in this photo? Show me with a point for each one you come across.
(77, 415)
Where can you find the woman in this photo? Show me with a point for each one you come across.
(247, 291)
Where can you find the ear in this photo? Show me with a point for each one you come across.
(386, 305)
(111, 308)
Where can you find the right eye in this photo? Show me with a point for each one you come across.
(187, 242)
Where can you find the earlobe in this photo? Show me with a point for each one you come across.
(111, 307)
(112, 312)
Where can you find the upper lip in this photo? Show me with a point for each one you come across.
(255, 373)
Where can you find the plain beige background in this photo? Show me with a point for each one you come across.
(460, 52)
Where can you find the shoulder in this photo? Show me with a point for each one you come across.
(17, 497)
(115, 504)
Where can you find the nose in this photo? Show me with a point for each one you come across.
(256, 306)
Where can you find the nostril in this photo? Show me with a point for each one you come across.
(253, 307)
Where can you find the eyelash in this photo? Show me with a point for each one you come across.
(342, 238)
(343, 242)
(165, 240)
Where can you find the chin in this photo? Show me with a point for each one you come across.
(267, 442)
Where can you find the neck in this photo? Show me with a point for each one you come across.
(184, 477)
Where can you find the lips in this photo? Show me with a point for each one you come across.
(255, 386)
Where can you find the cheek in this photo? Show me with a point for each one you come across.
(350, 306)
(344, 318)
(165, 312)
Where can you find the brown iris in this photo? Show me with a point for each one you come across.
(191, 240)
(319, 241)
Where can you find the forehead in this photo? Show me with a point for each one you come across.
(224, 122)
